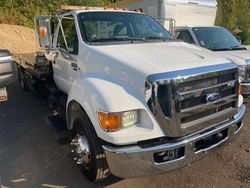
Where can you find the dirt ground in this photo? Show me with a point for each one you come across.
(31, 156)
(17, 39)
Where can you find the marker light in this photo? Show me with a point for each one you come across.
(43, 32)
(110, 122)
(239, 88)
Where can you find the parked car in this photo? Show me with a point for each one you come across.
(7, 73)
(222, 42)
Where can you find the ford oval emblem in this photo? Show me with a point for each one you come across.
(212, 97)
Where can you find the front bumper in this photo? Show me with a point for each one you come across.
(245, 90)
(134, 161)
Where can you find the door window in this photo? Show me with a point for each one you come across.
(185, 36)
(69, 29)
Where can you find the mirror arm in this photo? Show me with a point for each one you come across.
(63, 34)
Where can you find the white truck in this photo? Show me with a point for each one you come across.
(137, 102)
(222, 42)
(7, 73)
(194, 23)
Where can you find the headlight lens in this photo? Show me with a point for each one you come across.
(112, 122)
(129, 118)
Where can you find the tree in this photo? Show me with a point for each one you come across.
(243, 19)
(22, 12)
(226, 14)
(235, 16)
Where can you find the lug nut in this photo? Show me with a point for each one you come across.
(79, 151)
(79, 162)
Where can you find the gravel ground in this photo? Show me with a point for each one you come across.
(31, 156)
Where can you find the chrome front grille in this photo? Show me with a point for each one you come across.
(192, 100)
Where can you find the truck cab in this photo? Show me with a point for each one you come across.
(137, 101)
(222, 42)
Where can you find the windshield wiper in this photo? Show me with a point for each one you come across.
(229, 48)
(116, 39)
(238, 48)
(108, 39)
(130, 39)
(155, 38)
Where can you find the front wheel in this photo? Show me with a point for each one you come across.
(88, 151)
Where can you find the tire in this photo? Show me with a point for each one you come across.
(97, 169)
(22, 80)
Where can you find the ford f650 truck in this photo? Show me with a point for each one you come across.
(192, 21)
(137, 101)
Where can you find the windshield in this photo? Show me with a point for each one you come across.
(103, 27)
(216, 39)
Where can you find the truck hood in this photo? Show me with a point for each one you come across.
(130, 64)
(238, 56)
(152, 58)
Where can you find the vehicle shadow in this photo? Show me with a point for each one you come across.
(62, 138)
(30, 153)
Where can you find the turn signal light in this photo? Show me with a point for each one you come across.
(43, 32)
(110, 122)
(239, 88)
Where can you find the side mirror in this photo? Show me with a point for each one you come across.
(43, 32)
(8, 69)
(169, 24)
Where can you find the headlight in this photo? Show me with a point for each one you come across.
(129, 118)
(112, 122)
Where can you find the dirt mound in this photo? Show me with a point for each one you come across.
(17, 39)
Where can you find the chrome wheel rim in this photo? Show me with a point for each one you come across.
(81, 148)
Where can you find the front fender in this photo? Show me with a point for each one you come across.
(94, 94)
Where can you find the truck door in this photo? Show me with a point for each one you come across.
(65, 66)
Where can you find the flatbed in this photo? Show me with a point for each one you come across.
(28, 62)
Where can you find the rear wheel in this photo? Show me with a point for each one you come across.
(22, 80)
(88, 151)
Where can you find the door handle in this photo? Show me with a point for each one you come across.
(74, 65)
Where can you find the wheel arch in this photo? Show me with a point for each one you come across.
(72, 108)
